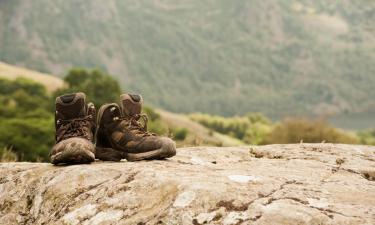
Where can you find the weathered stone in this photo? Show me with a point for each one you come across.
(275, 184)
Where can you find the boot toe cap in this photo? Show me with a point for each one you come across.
(168, 147)
(73, 151)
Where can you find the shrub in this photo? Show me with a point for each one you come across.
(251, 128)
(309, 131)
(367, 137)
(98, 86)
(234, 126)
(157, 127)
(26, 121)
(7, 155)
(30, 139)
(152, 115)
(179, 133)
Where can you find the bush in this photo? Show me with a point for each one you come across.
(30, 139)
(31, 87)
(234, 126)
(179, 134)
(7, 155)
(98, 86)
(21, 98)
(26, 121)
(157, 127)
(152, 115)
(367, 137)
(309, 131)
(251, 128)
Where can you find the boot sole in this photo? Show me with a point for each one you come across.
(109, 154)
(73, 156)
(161, 153)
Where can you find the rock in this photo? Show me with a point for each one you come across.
(275, 184)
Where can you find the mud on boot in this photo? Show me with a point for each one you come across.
(121, 133)
(75, 125)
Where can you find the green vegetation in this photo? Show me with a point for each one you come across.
(7, 155)
(27, 130)
(26, 115)
(98, 86)
(251, 129)
(26, 120)
(257, 129)
(180, 134)
(309, 131)
(222, 57)
(367, 137)
(155, 125)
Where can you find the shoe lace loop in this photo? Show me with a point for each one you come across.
(134, 123)
(79, 127)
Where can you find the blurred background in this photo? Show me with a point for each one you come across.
(212, 72)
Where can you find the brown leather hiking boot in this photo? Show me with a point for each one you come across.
(75, 125)
(120, 134)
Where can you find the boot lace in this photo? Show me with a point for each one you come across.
(79, 127)
(134, 123)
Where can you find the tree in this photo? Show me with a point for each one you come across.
(98, 86)
(26, 121)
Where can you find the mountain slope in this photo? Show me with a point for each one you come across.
(222, 57)
(197, 134)
(12, 72)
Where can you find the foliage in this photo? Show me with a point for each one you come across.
(26, 115)
(151, 113)
(179, 133)
(30, 139)
(367, 137)
(155, 125)
(7, 155)
(251, 128)
(309, 131)
(98, 86)
(276, 57)
(26, 121)
(257, 129)
(23, 98)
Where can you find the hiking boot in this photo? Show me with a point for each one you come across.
(121, 134)
(75, 125)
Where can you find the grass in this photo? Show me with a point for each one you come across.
(7, 155)
(12, 72)
(295, 58)
(197, 133)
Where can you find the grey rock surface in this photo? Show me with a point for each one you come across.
(274, 184)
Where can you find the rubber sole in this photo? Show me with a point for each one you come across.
(109, 154)
(73, 156)
(165, 151)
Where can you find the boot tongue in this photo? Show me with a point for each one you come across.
(71, 106)
(131, 104)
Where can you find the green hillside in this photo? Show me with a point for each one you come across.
(221, 57)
